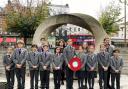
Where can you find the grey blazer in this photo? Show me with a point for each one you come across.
(116, 64)
(103, 59)
(33, 60)
(8, 61)
(20, 57)
(91, 62)
(110, 50)
(45, 60)
(68, 53)
(57, 61)
(83, 58)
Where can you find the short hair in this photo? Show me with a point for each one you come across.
(10, 47)
(42, 39)
(34, 46)
(106, 38)
(101, 45)
(45, 46)
(116, 50)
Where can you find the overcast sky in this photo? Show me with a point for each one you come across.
(90, 7)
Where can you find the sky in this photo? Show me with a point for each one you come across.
(90, 7)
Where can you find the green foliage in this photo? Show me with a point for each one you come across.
(109, 18)
(26, 19)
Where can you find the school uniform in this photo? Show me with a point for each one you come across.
(57, 62)
(45, 60)
(68, 54)
(19, 57)
(81, 73)
(63, 67)
(103, 61)
(109, 49)
(85, 77)
(8, 61)
(33, 59)
(91, 61)
(116, 64)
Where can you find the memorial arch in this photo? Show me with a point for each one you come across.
(82, 20)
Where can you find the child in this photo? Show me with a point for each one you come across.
(57, 66)
(85, 46)
(68, 54)
(91, 66)
(103, 64)
(9, 67)
(19, 58)
(116, 67)
(81, 73)
(33, 61)
(45, 67)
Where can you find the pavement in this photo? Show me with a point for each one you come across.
(124, 82)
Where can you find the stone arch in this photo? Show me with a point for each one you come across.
(82, 20)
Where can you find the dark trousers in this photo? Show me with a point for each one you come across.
(34, 78)
(91, 77)
(80, 77)
(108, 78)
(103, 78)
(85, 78)
(10, 78)
(69, 78)
(44, 77)
(63, 73)
(57, 78)
(20, 74)
(115, 77)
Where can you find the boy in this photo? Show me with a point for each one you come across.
(57, 67)
(103, 64)
(9, 67)
(33, 61)
(45, 67)
(19, 58)
(116, 67)
(91, 66)
(68, 54)
(109, 49)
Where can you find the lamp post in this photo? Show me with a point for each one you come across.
(125, 29)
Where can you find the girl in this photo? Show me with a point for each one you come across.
(57, 66)
(81, 73)
(91, 66)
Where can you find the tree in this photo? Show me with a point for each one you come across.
(25, 19)
(109, 18)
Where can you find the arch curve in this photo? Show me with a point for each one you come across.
(82, 20)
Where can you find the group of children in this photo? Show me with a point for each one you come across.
(107, 63)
